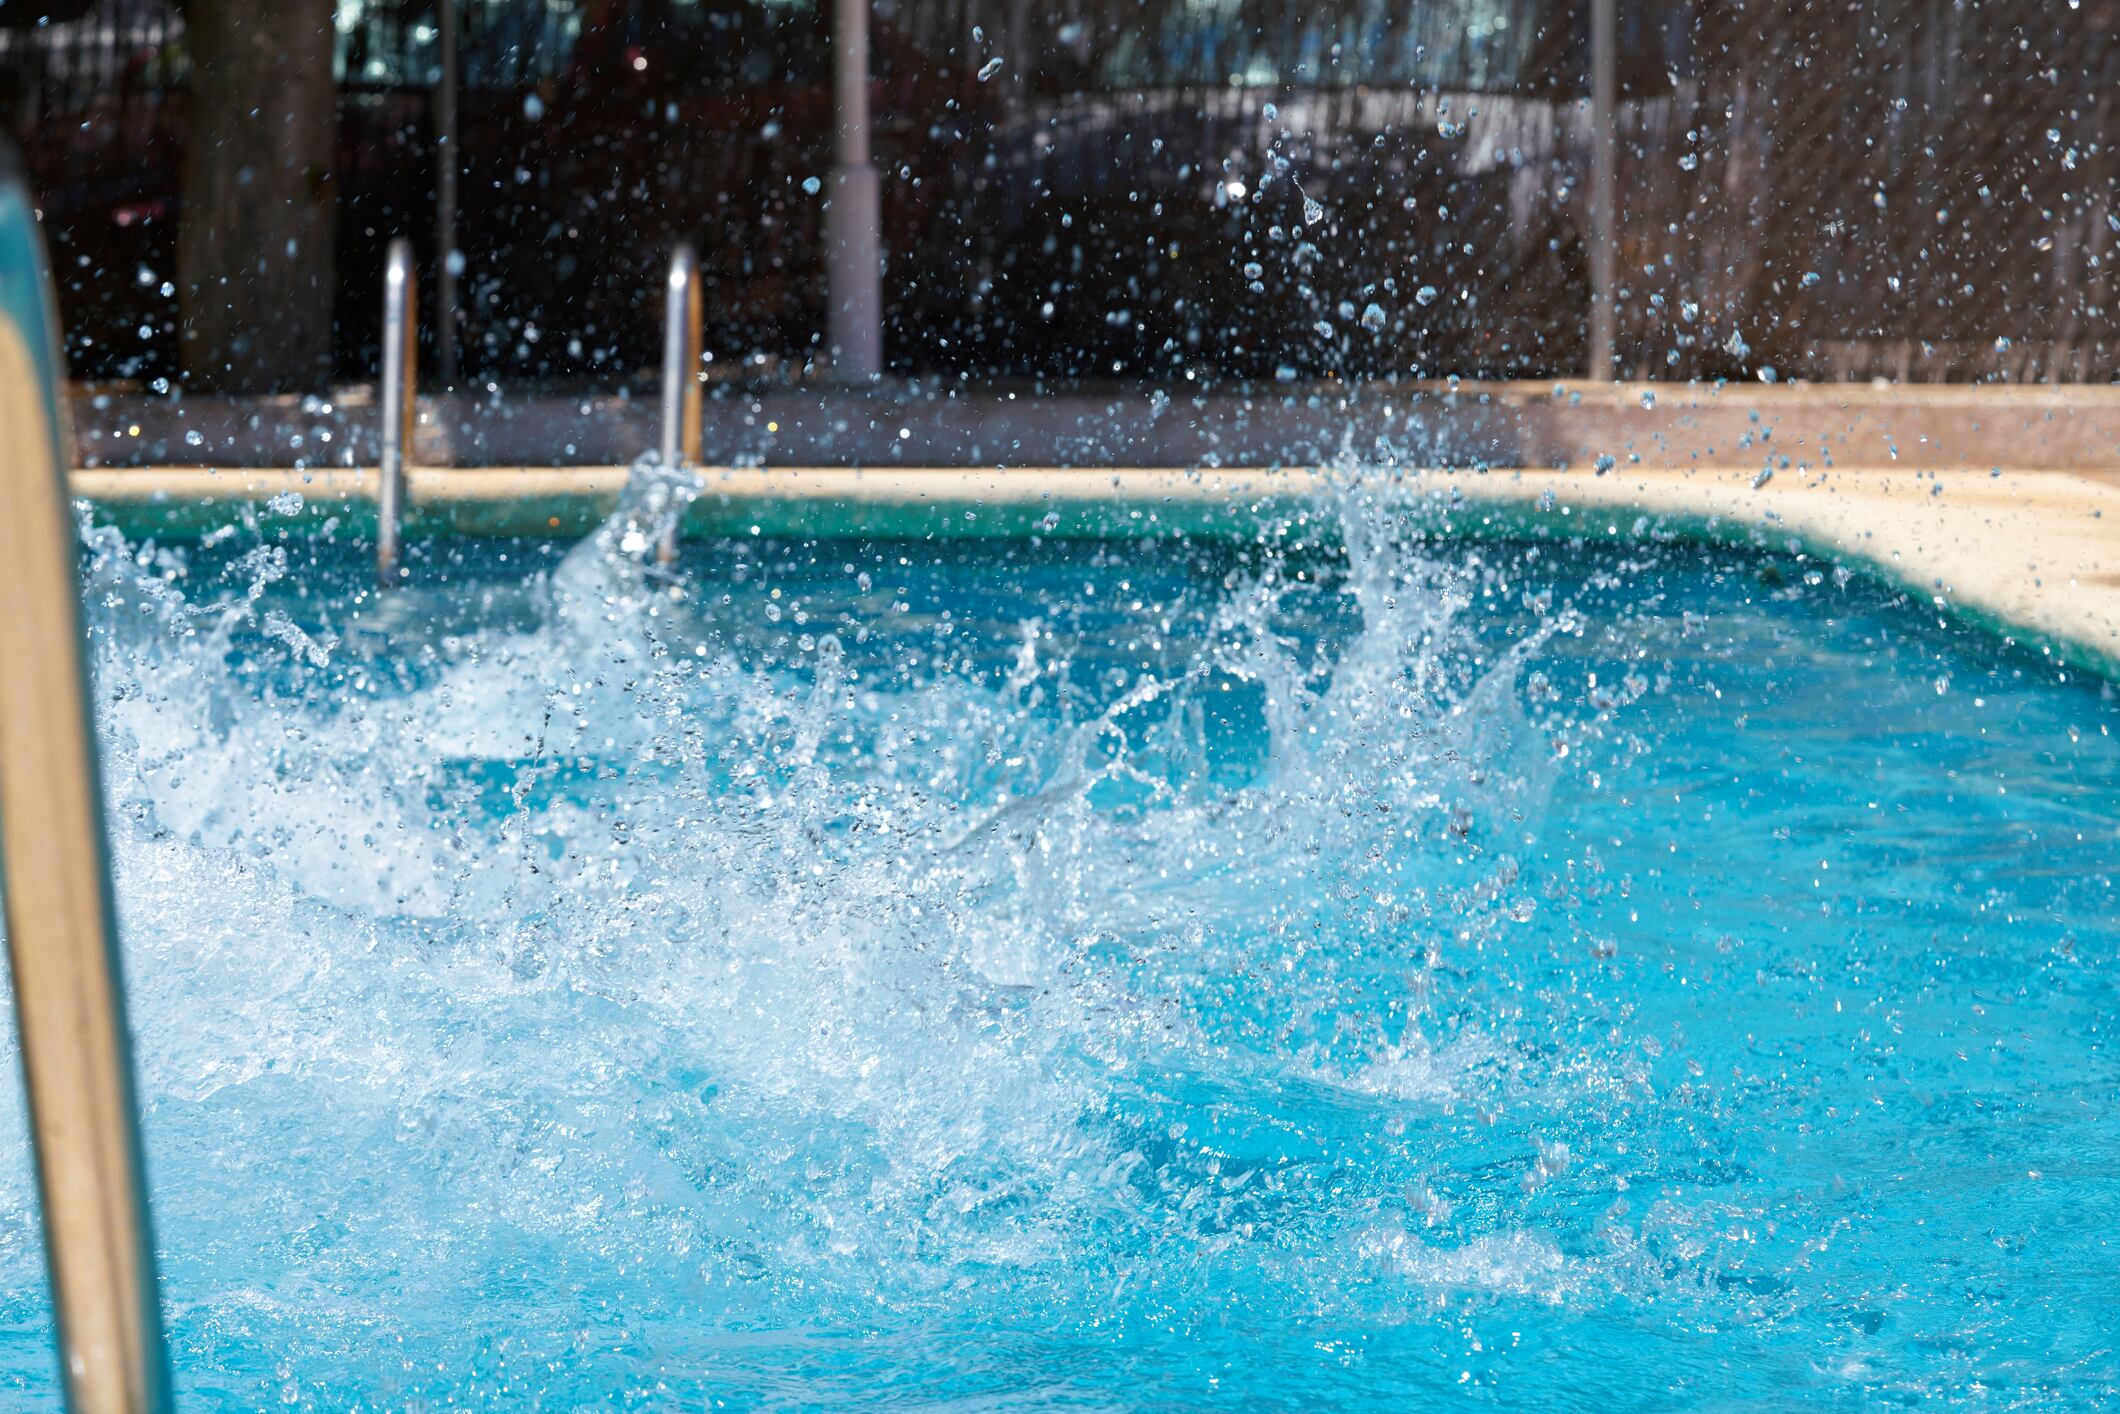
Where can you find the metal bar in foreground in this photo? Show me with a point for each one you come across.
(400, 371)
(54, 869)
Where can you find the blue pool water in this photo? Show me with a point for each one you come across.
(1126, 975)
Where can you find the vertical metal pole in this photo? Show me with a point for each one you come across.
(1604, 186)
(400, 356)
(853, 217)
(448, 162)
(683, 316)
(61, 927)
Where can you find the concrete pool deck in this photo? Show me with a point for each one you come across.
(942, 423)
(2032, 552)
(2000, 502)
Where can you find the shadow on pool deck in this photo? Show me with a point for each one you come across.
(937, 424)
(1991, 501)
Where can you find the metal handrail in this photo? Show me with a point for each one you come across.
(684, 315)
(61, 926)
(399, 398)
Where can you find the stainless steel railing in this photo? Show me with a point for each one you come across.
(683, 317)
(54, 867)
(399, 399)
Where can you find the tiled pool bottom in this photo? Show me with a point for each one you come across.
(1102, 975)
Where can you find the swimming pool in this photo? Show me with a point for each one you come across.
(1327, 969)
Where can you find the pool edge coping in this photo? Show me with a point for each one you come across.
(2024, 553)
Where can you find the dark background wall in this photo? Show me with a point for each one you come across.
(1908, 188)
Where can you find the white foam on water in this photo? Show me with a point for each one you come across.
(802, 996)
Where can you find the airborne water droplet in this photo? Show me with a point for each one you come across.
(1373, 318)
(1313, 210)
(812, 185)
(1425, 295)
(990, 68)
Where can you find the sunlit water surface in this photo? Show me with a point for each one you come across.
(1101, 976)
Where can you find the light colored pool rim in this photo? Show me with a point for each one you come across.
(2028, 553)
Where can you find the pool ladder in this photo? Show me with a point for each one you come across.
(399, 399)
(54, 865)
(62, 938)
(683, 313)
(683, 317)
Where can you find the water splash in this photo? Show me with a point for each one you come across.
(558, 977)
